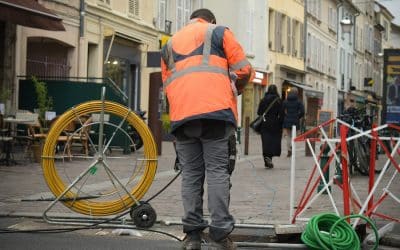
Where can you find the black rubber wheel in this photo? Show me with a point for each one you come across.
(143, 215)
(137, 141)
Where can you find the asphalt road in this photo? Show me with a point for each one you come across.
(74, 240)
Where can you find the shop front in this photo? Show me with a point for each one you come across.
(122, 65)
(252, 95)
(311, 98)
(372, 107)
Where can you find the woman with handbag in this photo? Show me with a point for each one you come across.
(271, 127)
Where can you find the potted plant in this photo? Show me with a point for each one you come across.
(166, 127)
(44, 103)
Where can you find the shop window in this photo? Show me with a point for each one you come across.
(116, 70)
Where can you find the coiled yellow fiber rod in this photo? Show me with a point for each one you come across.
(102, 207)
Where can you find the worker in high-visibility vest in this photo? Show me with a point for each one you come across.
(204, 68)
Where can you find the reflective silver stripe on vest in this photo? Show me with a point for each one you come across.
(200, 68)
(207, 44)
(239, 65)
(204, 67)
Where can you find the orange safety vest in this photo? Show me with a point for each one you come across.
(196, 74)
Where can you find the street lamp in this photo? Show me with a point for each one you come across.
(346, 24)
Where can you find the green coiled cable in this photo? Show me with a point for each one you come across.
(329, 231)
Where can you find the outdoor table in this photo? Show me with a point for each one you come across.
(7, 140)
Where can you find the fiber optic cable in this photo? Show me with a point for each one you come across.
(98, 207)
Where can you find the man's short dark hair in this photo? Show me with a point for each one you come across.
(205, 14)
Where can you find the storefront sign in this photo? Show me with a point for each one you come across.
(391, 86)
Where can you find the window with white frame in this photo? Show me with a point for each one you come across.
(314, 8)
(183, 11)
(162, 14)
(332, 19)
(249, 32)
(386, 31)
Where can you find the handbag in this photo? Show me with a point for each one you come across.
(256, 124)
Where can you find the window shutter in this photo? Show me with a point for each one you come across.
(161, 14)
(294, 37)
(179, 14)
(134, 7)
(250, 32)
(301, 47)
(277, 32)
(187, 11)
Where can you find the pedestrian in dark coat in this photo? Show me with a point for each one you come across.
(271, 127)
(294, 111)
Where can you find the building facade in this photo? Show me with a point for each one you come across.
(287, 55)
(347, 67)
(117, 37)
(321, 48)
(102, 39)
(291, 43)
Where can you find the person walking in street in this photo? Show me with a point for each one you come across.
(293, 109)
(203, 69)
(271, 127)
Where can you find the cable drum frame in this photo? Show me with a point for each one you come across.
(64, 193)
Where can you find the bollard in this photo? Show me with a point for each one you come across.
(338, 170)
(323, 161)
(246, 136)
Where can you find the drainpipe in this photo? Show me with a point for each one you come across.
(82, 56)
(305, 38)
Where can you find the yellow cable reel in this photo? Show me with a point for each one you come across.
(101, 206)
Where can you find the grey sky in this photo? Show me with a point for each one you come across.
(394, 7)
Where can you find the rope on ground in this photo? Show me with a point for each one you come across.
(329, 231)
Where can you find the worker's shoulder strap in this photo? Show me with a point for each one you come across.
(205, 52)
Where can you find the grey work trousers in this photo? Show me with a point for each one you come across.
(202, 149)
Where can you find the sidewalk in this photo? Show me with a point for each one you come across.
(258, 195)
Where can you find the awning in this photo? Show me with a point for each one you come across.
(308, 91)
(31, 14)
(360, 97)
